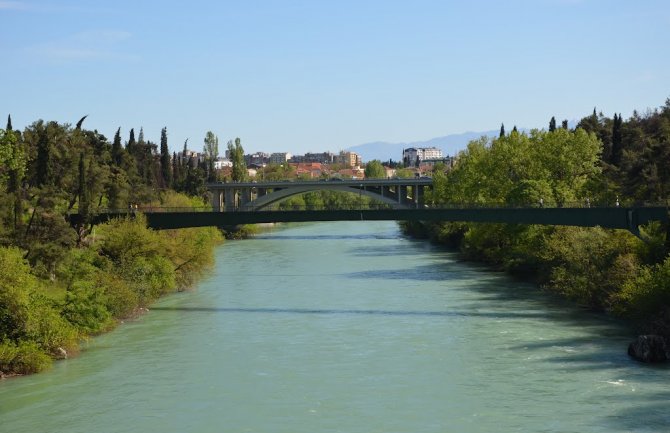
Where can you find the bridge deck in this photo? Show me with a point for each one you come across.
(616, 217)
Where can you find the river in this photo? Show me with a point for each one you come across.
(348, 327)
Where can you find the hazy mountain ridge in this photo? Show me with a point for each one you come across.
(450, 145)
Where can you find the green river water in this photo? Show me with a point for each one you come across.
(348, 327)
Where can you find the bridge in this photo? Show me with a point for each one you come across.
(254, 196)
(627, 218)
(240, 203)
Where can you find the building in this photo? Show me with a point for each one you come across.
(190, 157)
(313, 170)
(280, 158)
(413, 156)
(219, 163)
(349, 159)
(321, 158)
(258, 158)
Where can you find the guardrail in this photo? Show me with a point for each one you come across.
(377, 206)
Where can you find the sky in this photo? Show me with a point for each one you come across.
(323, 75)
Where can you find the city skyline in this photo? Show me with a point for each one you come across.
(304, 76)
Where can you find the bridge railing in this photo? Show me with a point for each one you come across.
(377, 206)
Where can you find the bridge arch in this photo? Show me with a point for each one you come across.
(253, 196)
(278, 196)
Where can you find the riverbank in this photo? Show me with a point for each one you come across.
(602, 270)
(121, 269)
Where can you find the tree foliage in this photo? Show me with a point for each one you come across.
(236, 154)
(375, 170)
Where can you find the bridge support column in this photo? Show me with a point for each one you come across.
(419, 195)
(246, 198)
(216, 200)
(229, 201)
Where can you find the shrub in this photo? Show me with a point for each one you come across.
(646, 294)
(47, 328)
(23, 358)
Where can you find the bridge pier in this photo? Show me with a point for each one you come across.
(216, 200)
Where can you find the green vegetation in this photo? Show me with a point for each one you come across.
(60, 285)
(328, 200)
(601, 162)
(375, 170)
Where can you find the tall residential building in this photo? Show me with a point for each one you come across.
(350, 159)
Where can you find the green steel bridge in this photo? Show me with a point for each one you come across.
(234, 204)
(627, 218)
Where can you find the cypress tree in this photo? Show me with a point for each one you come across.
(514, 129)
(502, 130)
(564, 124)
(617, 150)
(176, 173)
(132, 144)
(552, 124)
(166, 170)
(117, 156)
(43, 159)
(9, 123)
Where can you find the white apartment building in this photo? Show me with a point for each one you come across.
(414, 155)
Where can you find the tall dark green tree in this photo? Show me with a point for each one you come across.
(117, 151)
(9, 123)
(166, 169)
(502, 130)
(617, 140)
(43, 171)
(177, 181)
(132, 144)
(564, 124)
(552, 124)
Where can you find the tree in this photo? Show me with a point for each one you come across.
(132, 144)
(166, 170)
(617, 142)
(9, 122)
(13, 158)
(552, 124)
(82, 189)
(43, 171)
(237, 157)
(564, 124)
(375, 170)
(177, 177)
(117, 152)
(502, 130)
(211, 151)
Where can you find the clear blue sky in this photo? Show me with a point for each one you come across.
(316, 75)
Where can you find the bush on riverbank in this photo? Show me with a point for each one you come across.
(609, 270)
(126, 266)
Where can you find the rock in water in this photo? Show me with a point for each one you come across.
(649, 348)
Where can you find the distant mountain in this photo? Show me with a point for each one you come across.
(450, 145)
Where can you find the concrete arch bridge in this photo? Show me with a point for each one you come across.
(253, 196)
